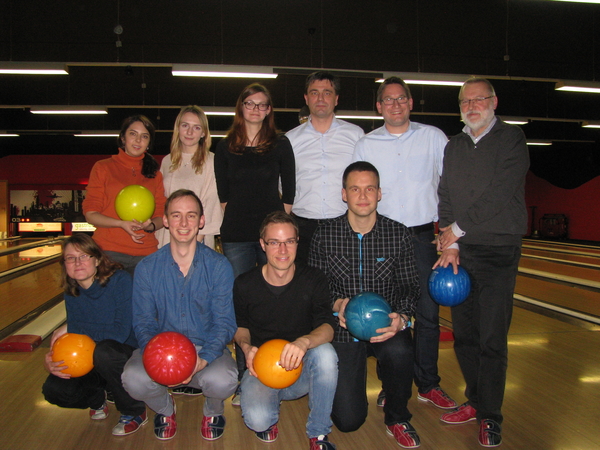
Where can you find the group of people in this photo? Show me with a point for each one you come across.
(307, 220)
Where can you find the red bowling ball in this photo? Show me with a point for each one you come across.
(169, 358)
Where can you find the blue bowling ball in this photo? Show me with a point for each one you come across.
(365, 313)
(448, 289)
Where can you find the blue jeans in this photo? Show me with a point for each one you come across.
(243, 256)
(481, 324)
(260, 404)
(395, 359)
(427, 328)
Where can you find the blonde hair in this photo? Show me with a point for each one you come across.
(201, 153)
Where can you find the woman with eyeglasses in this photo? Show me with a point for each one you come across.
(249, 164)
(98, 303)
(190, 165)
(126, 241)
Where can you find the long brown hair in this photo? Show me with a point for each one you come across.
(149, 164)
(84, 243)
(237, 136)
(200, 155)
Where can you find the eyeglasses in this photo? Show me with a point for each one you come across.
(390, 100)
(260, 106)
(277, 244)
(81, 258)
(475, 101)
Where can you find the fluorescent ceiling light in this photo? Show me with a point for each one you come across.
(515, 120)
(68, 109)
(362, 115)
(32, 68)
(222, 71)
(5, 134)
(539, 142)
(97, 134)
(580, 1)
(592, 87)
(427, 79)
(219, 111)
(591, 124)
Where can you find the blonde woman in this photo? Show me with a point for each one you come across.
(190, 165)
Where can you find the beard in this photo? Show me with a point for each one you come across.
(485, 118)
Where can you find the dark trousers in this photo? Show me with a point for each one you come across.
(307, 228)
(427, 329)
(482, 322)
(395, 359)
(88, 391)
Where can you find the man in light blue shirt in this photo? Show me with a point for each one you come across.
(188, 288)
(323, 148)
(409, 157)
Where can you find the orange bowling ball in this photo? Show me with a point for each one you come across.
(77, 351)
(266, 365)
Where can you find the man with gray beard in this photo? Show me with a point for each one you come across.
(482, 219)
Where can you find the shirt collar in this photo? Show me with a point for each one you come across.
(476, 139)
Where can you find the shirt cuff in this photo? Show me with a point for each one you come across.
(456, 230)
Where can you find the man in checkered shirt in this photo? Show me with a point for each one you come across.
(365, 251)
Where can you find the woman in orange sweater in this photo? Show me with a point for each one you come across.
(126, 242)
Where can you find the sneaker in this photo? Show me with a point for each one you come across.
(490, 433)
(236, 400)
(463, 414)
(269, 435)
(186, 390)
(321, 443)
(165, 427)
(404, 433)
(381, 399)
(213, 427)
(129, 424)
(110, 397)
(99, 414)
(438, 397)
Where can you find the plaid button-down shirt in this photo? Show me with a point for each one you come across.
(380, 261)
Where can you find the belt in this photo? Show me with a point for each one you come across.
(304, 219)
(421, 228)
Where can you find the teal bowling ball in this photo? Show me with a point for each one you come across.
(448, 289)
(365, 313)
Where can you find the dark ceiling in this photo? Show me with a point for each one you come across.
(522, 39)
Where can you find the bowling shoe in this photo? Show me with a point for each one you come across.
(463, 414)
(269, 435)
(490, 433)
(404, 433)
(212, 427)
(165, 427)
(237, 397)
(129, 424)
(321, 443)
(99, 414)
(438, 397)
(187, 390)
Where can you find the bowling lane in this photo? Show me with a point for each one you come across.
(22, 252)
(586, 260)
(21, 295)
(560, 271)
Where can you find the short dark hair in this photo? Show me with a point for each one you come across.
(277, 217)
(359, 166)
(323, 75)
(392, 80)
(183, 193)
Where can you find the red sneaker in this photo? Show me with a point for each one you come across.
(438, 397)
(165, 427)
(404, 433)
(321, 443)
(129, 424)
(212, 427)
(463, 414)
(99, 414)
(490, 433)
(269, 435)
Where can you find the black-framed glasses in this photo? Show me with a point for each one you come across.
(475, 101)
(261, 106)
(81, 258)
(277, 244)
(390, 100)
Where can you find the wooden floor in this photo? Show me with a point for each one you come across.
(551, 402)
